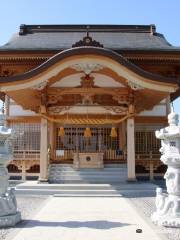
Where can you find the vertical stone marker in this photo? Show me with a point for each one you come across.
(168, 204)
(9, 215)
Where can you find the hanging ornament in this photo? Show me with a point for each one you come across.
(87, 133)
(61, 132)
(113, 133)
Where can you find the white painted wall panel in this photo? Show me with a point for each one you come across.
(159, 110)
(16, 110)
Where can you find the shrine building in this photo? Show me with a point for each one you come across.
(87, 97)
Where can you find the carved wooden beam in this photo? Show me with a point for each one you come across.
(87, 91)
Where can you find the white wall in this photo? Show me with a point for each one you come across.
(16, 110)
(158, 110)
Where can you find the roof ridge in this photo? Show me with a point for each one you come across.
(28, 29)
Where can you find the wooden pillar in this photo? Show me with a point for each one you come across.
(131, 150)
(151, 171)
(52, 136)
(44, 151)
(122, 139)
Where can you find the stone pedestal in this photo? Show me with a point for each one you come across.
(9, 215)
(168, 204)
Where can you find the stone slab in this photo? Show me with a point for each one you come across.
(10, 220)
(87, 218)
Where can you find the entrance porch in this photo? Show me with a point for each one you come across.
(95, 151)
(87, 87)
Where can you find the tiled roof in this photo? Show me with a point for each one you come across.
(115, 37)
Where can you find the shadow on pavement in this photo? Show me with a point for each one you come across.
(99, 224)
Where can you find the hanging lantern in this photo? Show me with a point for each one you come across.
(113, 133)
(61, 132)
(87, 133)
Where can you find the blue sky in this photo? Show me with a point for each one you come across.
(163, 13)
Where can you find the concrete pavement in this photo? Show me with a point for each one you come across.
(87, 218)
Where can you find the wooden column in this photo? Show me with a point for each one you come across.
(52, 135)
(151, 171)
(122, 137)
(44, 151)
(131, 148)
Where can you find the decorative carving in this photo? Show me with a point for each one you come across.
(87, 81)
(87, 100)
(24, 162)
(53, 99)
(121, 99)
(7, 72)
(87, 41)
(58, 109)
(40, 86)
(87, 68)
(134, 85)
(116, 109)
(168, 205)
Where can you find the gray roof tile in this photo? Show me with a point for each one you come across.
(62, 39)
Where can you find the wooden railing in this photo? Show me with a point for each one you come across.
(26, 155)
(150, 162)
(68, 154)
(112, 154)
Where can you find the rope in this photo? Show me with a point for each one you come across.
(89, 121)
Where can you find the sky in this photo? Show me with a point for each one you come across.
(163, 13)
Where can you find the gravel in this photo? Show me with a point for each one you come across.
(145, 203)
(28, 206)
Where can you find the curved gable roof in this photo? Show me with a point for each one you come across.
(84, 51)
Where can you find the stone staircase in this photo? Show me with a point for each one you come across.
(110, 174)
(64, 181)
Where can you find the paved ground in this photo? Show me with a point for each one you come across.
(86, 218)
(112, 220)
(28, 206)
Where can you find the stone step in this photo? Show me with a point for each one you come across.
(49, 186)
(75, 190)
(87, 174)
(87, 170)
(65, 173)
(84, 181)
(66, 194)
(123, 186)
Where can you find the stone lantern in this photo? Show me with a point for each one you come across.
(9, 215)
(168, 204)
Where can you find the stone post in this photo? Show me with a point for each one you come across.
(6, 110)
(23, 169)
(168, 204)
(130, 150)
(44, 151)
